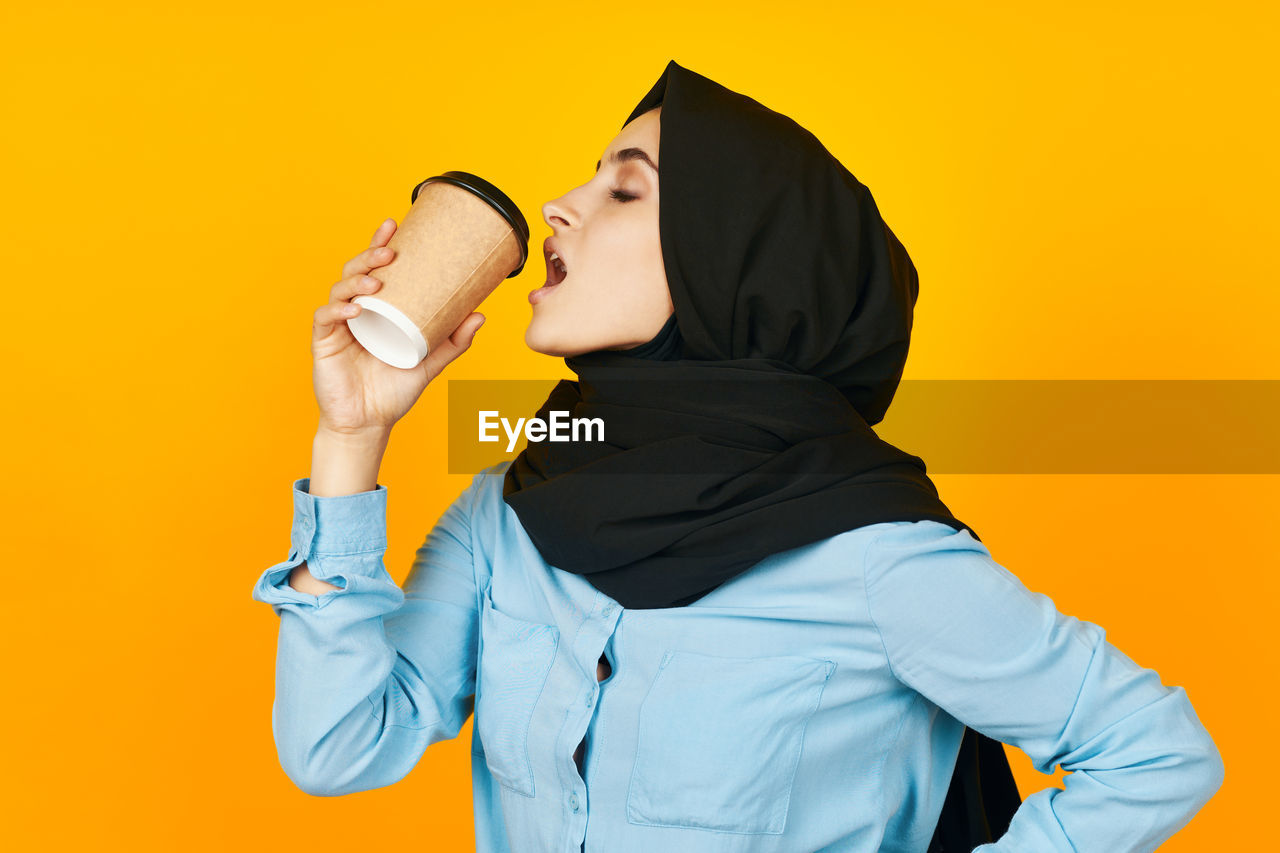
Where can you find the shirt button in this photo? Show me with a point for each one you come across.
(573, 802)
(591, 699)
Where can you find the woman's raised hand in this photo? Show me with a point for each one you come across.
(357, 393)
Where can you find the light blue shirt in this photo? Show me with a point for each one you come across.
(813, 703)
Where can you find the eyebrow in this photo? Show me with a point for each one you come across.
(630, 154)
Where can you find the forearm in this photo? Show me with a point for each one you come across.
(341, 464)
(368, 675)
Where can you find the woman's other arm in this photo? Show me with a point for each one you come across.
(964, 632)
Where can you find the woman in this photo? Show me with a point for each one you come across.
(743, 622)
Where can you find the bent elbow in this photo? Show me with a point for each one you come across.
(321, 767)
(320, 781)
(309, 774)
(1195, 758)
(347, 760)
(315, 785)
(1210, 771)
(1204, 762)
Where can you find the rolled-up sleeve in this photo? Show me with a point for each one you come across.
(369, 675)
(964, 632)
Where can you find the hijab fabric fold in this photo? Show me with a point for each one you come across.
(744, 427)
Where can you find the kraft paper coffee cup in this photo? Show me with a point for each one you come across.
(460, 239)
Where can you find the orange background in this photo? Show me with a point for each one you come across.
(1088, 191)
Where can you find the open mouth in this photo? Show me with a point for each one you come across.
(556, 270)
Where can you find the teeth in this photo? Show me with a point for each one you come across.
(559, 264)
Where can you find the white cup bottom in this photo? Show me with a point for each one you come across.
(387, 333)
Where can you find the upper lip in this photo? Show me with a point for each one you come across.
(549, 246)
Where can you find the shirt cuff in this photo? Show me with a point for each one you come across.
(342, 540)
(337, 526)
(337, 537)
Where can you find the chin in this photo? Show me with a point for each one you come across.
(539, 342)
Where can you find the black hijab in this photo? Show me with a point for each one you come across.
(744, 427)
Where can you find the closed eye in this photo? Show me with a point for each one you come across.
(619, 195)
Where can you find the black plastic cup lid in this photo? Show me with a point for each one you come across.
(496, 198)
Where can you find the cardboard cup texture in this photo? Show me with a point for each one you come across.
(452, 250)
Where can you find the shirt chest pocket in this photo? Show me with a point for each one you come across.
(515, 658)
(720, 740)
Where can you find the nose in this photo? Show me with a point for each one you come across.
(557, 213)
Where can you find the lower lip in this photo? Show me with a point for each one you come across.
(536, 295)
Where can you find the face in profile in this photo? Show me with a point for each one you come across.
(612, 290)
